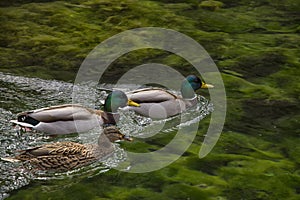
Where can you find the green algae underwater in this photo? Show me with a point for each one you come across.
(255, 45)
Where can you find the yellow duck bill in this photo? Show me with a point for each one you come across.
(132, 103)
(206, 85)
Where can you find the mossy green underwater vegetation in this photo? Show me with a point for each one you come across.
(254, 43)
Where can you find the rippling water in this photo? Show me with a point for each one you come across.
(21, 93)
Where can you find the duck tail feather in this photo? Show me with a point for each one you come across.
(23, 124)
(10, 159)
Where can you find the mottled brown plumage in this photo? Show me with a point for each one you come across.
(64, 156)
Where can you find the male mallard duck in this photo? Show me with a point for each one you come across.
(71, 118)
(158, 103)
(64, 156)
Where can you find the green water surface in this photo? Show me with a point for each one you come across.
(255, 45)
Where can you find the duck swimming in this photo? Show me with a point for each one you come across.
(64, 156)
(158, 103)
(72, 118)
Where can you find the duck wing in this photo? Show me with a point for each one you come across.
(60, 156)
(64, 112)
(58, 148)
(151, 95)
(62, 119)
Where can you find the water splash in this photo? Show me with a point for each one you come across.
(11, 175)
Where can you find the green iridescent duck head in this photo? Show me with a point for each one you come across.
(190, 84)
(117, 99)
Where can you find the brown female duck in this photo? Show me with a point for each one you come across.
(64, 156)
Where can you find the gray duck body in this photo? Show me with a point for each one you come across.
(158, 103)
(63, 119)
(72, 118)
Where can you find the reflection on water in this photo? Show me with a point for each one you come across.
(20, 93)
